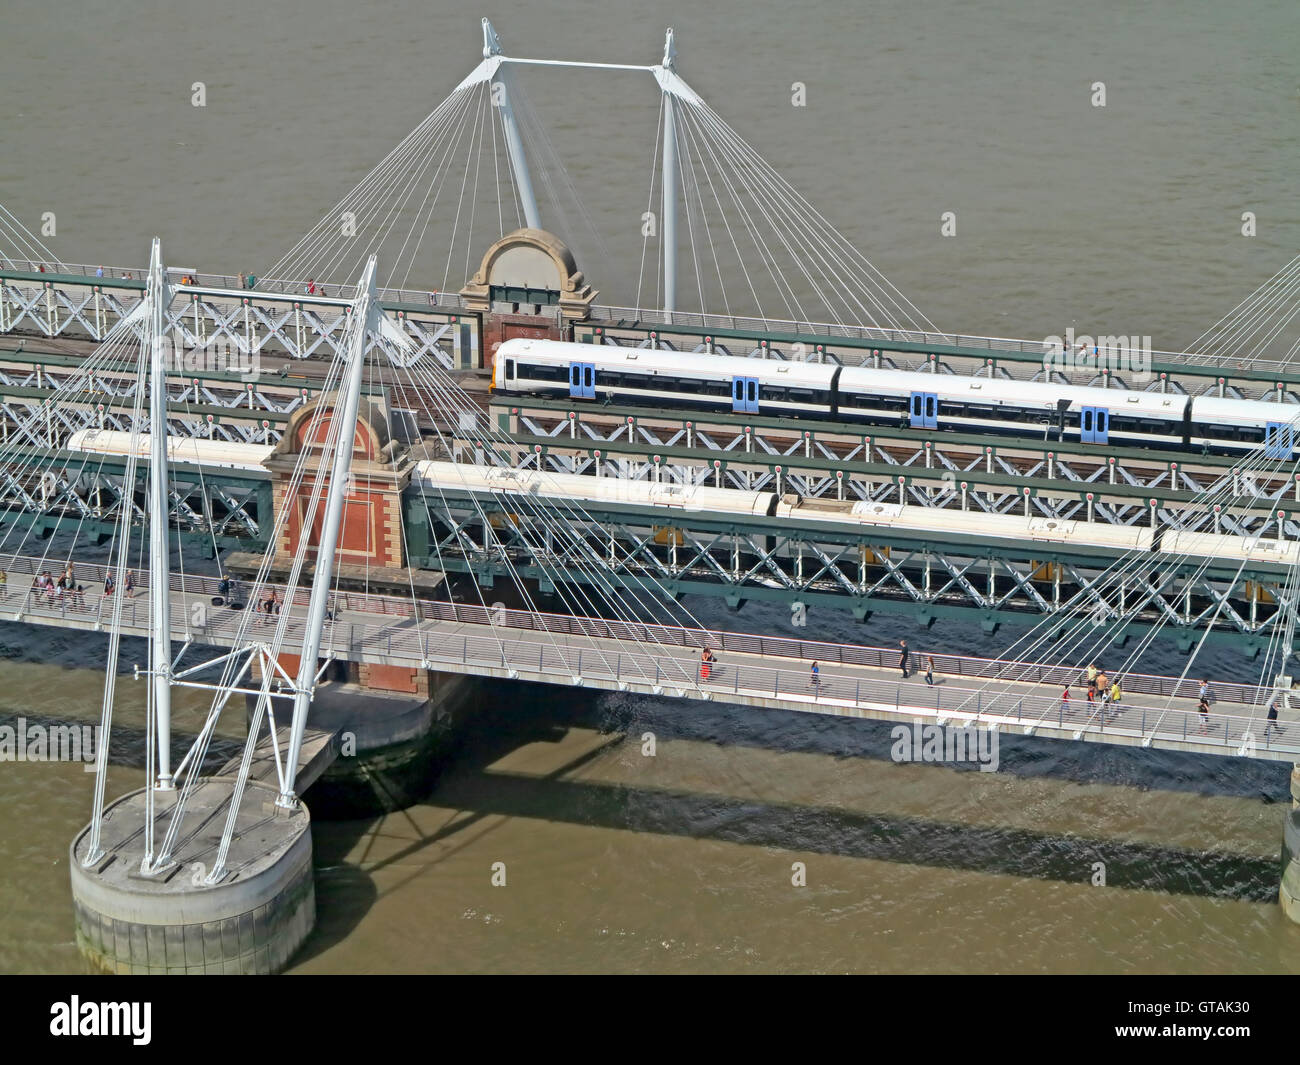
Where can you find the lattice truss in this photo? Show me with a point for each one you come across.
(1262, 490)
(248, 324)
(221, 508)
(733, 558)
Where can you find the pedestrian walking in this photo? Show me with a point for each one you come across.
(1272, 725)
(110, 582)
(706, 663)
(1065, 700)
(1115, 692)
(1204, 708)
(1103, 683)
(130, 584)
(929, 670)
(903, 658)
(814, 678)
(1091, 674)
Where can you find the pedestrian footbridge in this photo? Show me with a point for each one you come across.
(1009, 697)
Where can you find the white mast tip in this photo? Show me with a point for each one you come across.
(491, 42)
(670, 50)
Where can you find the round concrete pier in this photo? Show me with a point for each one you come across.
(1289, 895)
(173, 922)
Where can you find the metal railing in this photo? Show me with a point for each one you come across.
(641, 316)
(948, 665)
(440, 640)
(451, 301)
(326, 291)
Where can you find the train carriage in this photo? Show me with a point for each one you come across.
(927, 401)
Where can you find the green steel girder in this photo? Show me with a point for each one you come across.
(773, 565)
(887, 474)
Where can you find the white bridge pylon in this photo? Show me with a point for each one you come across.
(733, 236)
(672, 86)
(332, 460)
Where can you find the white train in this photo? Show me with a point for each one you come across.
(774, 388)
(572, 490)
(220, 453)
(1115, 541)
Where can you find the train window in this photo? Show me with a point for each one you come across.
(1103, 425)
(510, 369)
(801, 395)
(772, 392)
(1017, 414)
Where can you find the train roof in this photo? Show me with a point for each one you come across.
(1215, 409)
(997, 391)
(881, 514)
(179, 448)
(574, 487)
(695, 364)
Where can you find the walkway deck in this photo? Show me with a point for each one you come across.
(1019, 698)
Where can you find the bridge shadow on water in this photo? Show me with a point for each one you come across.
(514, 715)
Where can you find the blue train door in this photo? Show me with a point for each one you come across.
(1094, 425)
(924, 411)
(582, 380)
(1279, 438)
(744, 395)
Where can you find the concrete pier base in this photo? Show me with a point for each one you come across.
(391, 744)
(1289, 892)
(174, 922)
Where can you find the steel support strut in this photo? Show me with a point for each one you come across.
(364, 314)
(159, 510)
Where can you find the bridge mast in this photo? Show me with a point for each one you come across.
(514, 145)
(364, 315)
(670, 184)
(159, 568)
